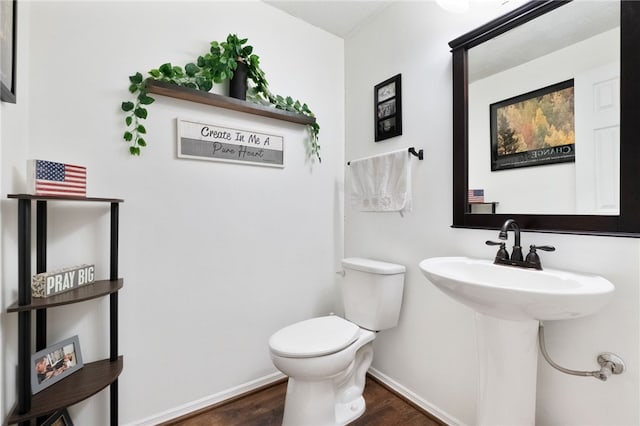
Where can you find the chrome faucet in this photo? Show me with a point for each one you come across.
(502, 257)
(511, 224)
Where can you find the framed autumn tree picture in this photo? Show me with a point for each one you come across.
(534, 128)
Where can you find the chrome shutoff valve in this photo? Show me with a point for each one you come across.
(609, 364)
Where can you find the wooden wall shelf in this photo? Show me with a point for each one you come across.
(86, 382)
(173, 91)
(86, 292)
(63, 198)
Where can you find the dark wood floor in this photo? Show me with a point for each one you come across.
(265, 408)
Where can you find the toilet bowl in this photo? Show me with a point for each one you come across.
(326, 380)
(327, 358)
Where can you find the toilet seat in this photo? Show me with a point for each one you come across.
(314, 337)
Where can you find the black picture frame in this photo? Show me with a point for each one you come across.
(387, 108)
(54, 363)
(523, 126)
(59, 418)
(8, 20)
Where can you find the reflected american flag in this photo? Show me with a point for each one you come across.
(475, 196)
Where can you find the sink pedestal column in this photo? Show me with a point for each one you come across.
(508, 365)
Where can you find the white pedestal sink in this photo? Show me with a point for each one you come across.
(509, 301)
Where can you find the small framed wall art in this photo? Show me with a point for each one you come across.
(388, 108)
(54, 363)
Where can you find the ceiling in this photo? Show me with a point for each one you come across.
(336, 17)
(562, 27)
(341, 17)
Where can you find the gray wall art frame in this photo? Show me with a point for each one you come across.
(54, 360)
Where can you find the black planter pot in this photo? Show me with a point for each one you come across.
(238, 84)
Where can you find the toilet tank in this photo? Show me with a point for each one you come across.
(372, 292)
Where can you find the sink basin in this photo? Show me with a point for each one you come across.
(514, 293)
(509, 303)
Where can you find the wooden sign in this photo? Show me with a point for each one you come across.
(217, 143)
(49, 283)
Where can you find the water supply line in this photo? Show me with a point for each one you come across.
(609, 363)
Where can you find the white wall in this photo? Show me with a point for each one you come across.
(215, 257)
(13, 150)
(220, 291)
(432, 353)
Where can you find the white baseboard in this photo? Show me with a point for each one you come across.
(207, 401)
(413, 397)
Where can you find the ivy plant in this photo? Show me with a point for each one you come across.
(216, 66)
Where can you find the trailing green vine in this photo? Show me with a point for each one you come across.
(216, 66)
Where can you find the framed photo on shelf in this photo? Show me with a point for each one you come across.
(59, 418)
(54, 363)
(388, 108)
(8, 9)
(534, 128)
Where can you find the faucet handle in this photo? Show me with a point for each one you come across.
(543, 248)
(533, 259)
(502, 253)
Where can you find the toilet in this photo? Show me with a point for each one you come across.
(327, 358)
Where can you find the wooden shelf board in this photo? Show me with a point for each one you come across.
(212, 99)
(485, 202)
(86, 382)
(86, 292)
(63, 198)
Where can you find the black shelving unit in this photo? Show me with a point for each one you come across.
(94, 376)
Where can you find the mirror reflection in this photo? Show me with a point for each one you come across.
(544, 115)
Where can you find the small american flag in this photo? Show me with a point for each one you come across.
(475, 196)
(52, 178)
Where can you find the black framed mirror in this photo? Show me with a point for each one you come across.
(627, 221)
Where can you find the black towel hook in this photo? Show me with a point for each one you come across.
(419, 154)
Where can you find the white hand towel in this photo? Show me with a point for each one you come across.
(382, 183)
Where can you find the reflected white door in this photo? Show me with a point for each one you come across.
(597, 123)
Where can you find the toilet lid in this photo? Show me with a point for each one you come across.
(314, 337)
